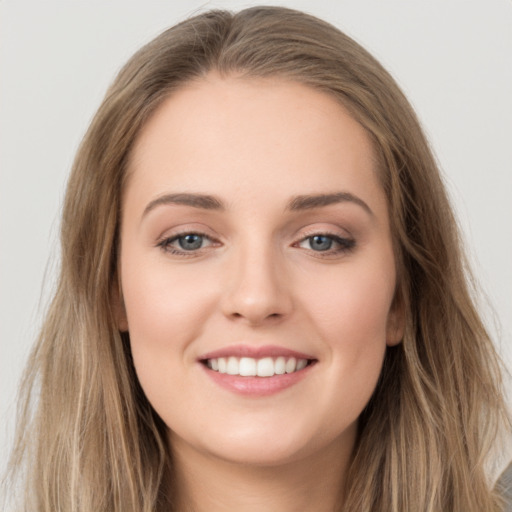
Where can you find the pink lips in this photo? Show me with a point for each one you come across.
(256, 386)
(256, 352)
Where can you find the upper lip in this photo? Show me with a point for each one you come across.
(256, 352)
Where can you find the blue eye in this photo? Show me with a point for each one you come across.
(190, 242)
(320, 242)
(185, 243)
(330, 244)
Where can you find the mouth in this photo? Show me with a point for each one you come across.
(257, 367)
(256, 371)
(256, 361)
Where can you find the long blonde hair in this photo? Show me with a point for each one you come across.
(88, 437)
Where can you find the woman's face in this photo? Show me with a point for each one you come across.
(257, 270)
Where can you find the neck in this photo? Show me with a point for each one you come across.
(313, 483)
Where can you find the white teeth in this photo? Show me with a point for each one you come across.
(301, 364)
(251, 367)
(232, 366)
(290, 365)
(265, 367)
(247, 367)
(280, 365)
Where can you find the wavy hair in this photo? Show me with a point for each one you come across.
(88, 438)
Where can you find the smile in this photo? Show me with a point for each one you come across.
(253, 367)
(256, 371)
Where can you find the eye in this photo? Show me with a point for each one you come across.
(327, 243)
(319, 242)
(190, 242)
(185, 243)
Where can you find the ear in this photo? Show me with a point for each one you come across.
(396, 322)
(118, 308)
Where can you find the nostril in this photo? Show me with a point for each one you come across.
(256, 317)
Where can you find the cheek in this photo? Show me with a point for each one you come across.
(353, 307)
(351, 313)
(165, 312)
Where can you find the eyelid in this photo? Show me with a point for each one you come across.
(164, 241)
(184, 228)
(345, 243)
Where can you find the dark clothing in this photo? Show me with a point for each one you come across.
(504, 486)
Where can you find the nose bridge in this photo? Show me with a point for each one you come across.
(257, 287)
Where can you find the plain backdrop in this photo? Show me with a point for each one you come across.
(453, 59)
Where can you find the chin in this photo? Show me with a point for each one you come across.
(270, 447)
(251, 454)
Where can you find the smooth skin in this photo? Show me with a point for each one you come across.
(254, 263)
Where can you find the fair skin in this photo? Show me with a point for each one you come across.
(289, 256)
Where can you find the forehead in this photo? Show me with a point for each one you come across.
(250, 135)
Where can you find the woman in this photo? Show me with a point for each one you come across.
(263, 304)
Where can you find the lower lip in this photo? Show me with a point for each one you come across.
(257, 386)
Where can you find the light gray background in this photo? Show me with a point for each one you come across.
(453, 58)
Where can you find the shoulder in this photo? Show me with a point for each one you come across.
(504, 487)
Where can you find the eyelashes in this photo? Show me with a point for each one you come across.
(327, 243)
(186, 244)
(320, 244)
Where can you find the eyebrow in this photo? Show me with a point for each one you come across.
(205, 202)
(297, 203)
(308, 202)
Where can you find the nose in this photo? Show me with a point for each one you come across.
(257, 290)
